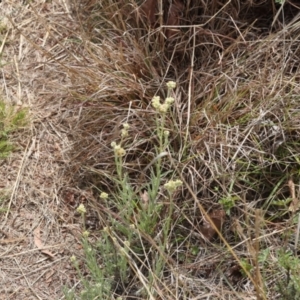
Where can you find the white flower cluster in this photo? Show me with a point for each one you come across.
(172, 185)
(124, 131)
(163, 107)
(119, 151)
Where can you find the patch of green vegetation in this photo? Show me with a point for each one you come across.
(4, 196)
(289, 285)
(11, 120)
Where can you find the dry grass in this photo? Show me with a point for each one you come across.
(33, 176)
(86, 68)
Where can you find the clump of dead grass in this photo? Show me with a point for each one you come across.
(234, 127)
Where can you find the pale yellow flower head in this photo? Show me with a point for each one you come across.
(169, 100)
(127, 244)
(126, 126)
(119, 151)
(85, 234)
(172, 185)
(124, 133)
(103, 196)
(81, 209)
(171, 85)
(73, 258)
(163, 108)
(156, 102)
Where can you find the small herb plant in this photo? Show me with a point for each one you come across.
(129, 239)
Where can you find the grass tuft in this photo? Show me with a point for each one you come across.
(230, 137)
